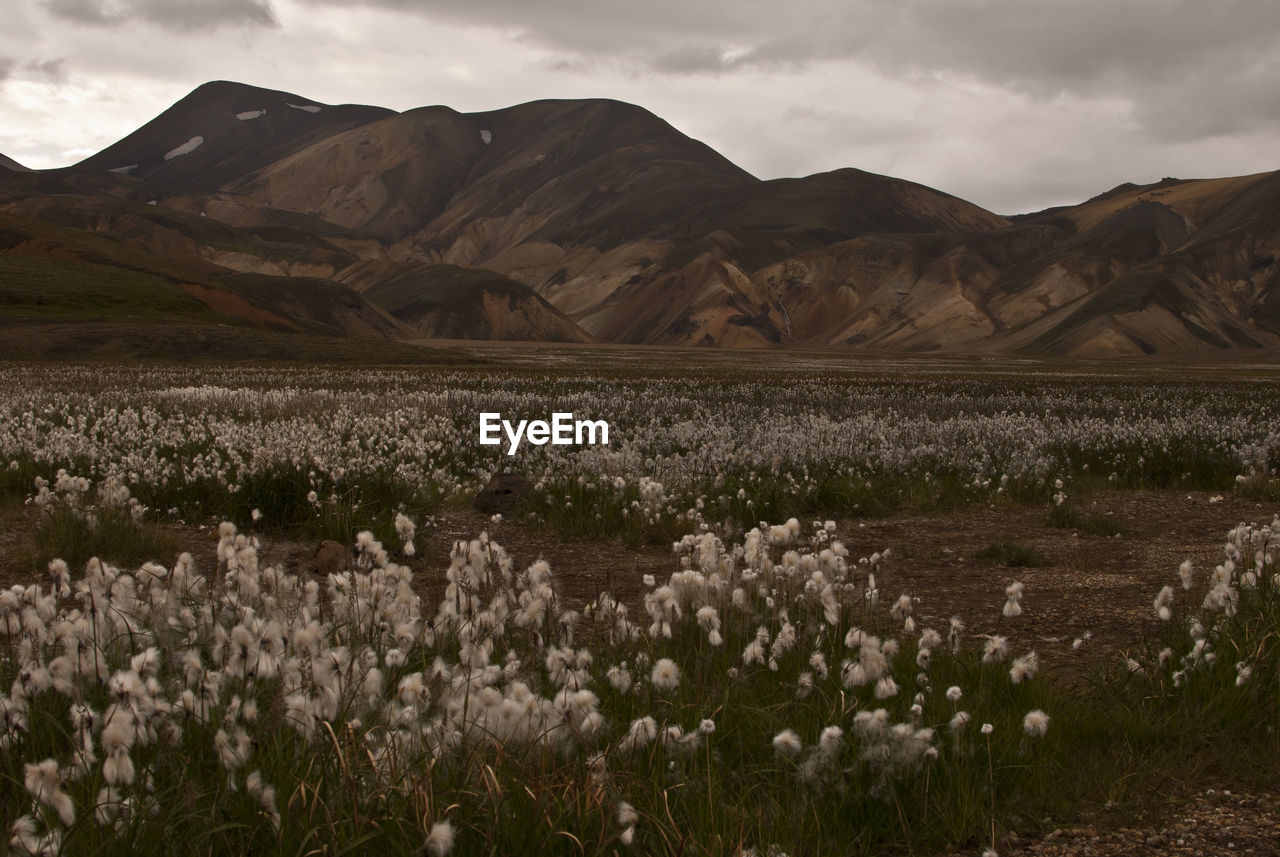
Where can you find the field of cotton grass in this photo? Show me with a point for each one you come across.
(767, 695)
(329, 452)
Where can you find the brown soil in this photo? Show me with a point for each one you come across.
(1213, 822)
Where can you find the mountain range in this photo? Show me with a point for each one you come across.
(242, 211)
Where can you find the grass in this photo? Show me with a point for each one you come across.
(1012, 554)
(54, 289)
(1065, 516)
(109, 534)
(354, 782)
(340, 787)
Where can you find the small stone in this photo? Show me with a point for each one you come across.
(504, 494)
(331, 558)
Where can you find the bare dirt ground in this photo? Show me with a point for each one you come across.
(1088, 583)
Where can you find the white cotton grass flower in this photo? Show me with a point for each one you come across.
(1024, 667)
(641, 733)
(665, 675)
(627, 815)
(987, 729)
(995, 650)
(1163, 604)
(1035, 723)
(930, 639)
(619, 678)
(1013, 600)
(1185, 574)
(1243, 673)
(404, 530)
(954, 693)
(831, 740)
(44, 781)
(787, 743)
(439, 839)
(955, 633)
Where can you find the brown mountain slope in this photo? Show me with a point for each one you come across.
(55, 273)
(596, 219)
(604, 209)
(10, 164)
(220, 132)
(452, 302)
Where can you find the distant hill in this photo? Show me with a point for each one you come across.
(595, 220)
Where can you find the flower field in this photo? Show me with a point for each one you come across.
(342, 450)
(767, 695)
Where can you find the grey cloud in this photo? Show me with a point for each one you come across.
(177, 15)
(83, 11)
(1157, 54)
(6, 68)
(695, 58)
(53, 71)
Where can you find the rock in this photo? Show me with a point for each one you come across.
(331, 558)
(505, 493)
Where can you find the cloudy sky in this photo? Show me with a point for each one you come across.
(1013, 104)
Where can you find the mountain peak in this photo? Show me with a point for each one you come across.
(220, 131)
(11, 164)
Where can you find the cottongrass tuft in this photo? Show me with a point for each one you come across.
(439, 839)
(665, 675)
(1036, 723)
(787, 743)
(1013, 600)
(1024, 667)
(995, 650)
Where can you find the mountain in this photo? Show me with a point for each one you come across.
(594, 220)
(222, 131)
(451, 302)
(10, 164)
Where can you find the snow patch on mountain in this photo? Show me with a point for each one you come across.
(250, 114)
(310, 108)
(185, 149)
(124, 171)
(486, 136)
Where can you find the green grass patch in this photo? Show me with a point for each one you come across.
(1012, 554)
(110, 534)
(63, 289)
(1065, 516)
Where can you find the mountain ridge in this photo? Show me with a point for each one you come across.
(596, 221)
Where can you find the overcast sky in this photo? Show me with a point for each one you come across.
(1013, 104)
